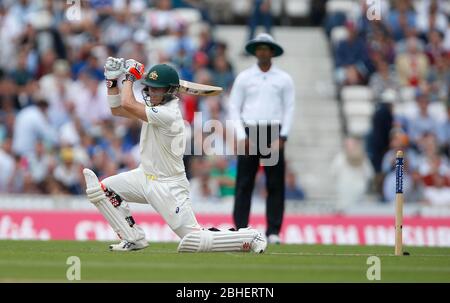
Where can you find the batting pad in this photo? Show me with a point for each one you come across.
(114, 217)
(220, 240)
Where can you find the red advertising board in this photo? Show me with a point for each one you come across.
(345, 230)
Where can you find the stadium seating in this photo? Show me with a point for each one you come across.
(345, 6)
(338, 34)
(358, 109)
(296, 8)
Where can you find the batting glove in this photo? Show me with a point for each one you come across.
(134, 70)
(114, 68)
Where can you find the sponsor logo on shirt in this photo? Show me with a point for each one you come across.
(155, 110)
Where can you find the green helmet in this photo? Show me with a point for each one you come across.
(162, 75)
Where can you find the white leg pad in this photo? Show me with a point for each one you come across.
(115, 217)
(224, 240)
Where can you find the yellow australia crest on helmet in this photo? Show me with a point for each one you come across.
(153, 75)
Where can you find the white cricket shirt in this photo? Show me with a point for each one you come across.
(259, 97)
(162, 140)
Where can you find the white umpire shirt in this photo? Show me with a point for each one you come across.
(259, 97)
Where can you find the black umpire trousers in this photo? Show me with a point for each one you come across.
(247, 168)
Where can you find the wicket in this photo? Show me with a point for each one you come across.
(399, 200)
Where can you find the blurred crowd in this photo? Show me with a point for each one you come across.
(54, 116)
(404, 58)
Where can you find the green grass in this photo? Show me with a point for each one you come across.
(41, 261)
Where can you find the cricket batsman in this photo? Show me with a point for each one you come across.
(160, 179)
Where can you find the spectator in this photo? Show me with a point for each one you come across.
(162, 20)
(352, 62)
(261, 14)
(31, 125)
(293, 189)
(202, 187)
(438, 80)
(444, 134)
(7, 164)
(91, 104)
(378, 139)
(412, 66)
(202, 6)
(19, 179)
(436, 185)
(60, 90)
(434, 49)
(431, 156)
(41, 165)
(352, 171)
(383, 79)
(118, 30)
(68, 173)
(422, 122)
(21, 74)
(432, 19)
(224, 174)
(91, 67)
(381, 46)
(401, 19)
(7, 117)
(222, 74)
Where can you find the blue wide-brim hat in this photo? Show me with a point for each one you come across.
(266, 39)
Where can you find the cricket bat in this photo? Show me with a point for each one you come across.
(198, 89)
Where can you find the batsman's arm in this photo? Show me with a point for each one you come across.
(114, 100)
(130, 104)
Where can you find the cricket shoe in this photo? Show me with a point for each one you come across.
(128, 246)
(259, 243)
(274, 239)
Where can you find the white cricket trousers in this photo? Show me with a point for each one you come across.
(168, 196)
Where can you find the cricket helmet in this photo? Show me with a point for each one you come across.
(162, 75)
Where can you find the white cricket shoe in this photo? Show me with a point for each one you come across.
(259, 243)
(274, 239)
(128, 246)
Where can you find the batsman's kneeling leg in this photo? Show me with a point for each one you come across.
(120, 219)
(211, 240)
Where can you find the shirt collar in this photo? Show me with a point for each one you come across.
(258, 70)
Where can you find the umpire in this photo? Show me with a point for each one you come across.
(262, 107)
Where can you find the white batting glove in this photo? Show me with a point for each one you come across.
(134, 70)
(114, 68)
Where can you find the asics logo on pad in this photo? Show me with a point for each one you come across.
(246, 246)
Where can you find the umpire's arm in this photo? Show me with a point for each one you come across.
(288, 107)
(237, 97)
